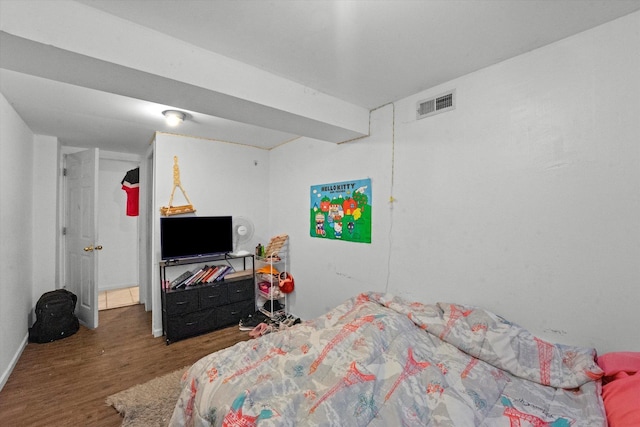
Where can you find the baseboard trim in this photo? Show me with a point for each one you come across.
(14, 362)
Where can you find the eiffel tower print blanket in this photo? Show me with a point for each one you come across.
(377, 360)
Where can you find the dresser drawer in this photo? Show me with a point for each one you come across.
(232, 313)
(241, 290)
(214, 295)
(181, 302)
(206, 307)
(190, 324)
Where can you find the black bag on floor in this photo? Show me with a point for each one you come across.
(55, 317)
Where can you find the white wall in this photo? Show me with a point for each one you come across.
(16, 213)
(530, 193)
(117, 232)
(327, 272)
(44, 192)
(524, 200)
(219, 178)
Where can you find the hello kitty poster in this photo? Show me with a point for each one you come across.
(341, 211)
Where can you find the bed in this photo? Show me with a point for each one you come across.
(378, 360)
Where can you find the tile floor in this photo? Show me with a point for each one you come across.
(118, 298)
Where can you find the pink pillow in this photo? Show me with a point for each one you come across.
(621, 387)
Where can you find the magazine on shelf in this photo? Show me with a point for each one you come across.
(219, 271)
(209, 273)
(228, 269)
(241, 273)
(192, 280)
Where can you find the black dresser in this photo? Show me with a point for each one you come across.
(202, 308)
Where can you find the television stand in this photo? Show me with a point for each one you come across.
(205, 307)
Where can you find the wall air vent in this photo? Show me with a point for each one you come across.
(437, 105)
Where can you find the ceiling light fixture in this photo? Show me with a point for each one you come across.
(174, 117)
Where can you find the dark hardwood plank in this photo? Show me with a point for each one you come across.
(66, 382)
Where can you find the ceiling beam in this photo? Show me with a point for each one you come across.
(78, 45)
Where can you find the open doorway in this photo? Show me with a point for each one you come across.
(118, 233)
(116, 253)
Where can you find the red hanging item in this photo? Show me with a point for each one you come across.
(131, 184)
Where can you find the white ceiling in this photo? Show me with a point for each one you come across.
(361, 54)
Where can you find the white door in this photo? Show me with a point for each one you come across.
(81, 245)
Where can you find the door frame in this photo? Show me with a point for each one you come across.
(145, 229)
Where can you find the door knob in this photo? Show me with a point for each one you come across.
(99, 247)
(88, 249)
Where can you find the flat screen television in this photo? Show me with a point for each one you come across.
(194, 236)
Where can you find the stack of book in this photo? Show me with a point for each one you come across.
(206, 274)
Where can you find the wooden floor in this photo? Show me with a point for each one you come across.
(66, 382)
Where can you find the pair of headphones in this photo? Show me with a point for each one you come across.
(285, 282)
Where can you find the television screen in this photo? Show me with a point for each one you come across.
(182, 237)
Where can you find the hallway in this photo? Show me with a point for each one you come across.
(118, 298)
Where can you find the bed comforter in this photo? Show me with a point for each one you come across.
(377, 360)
